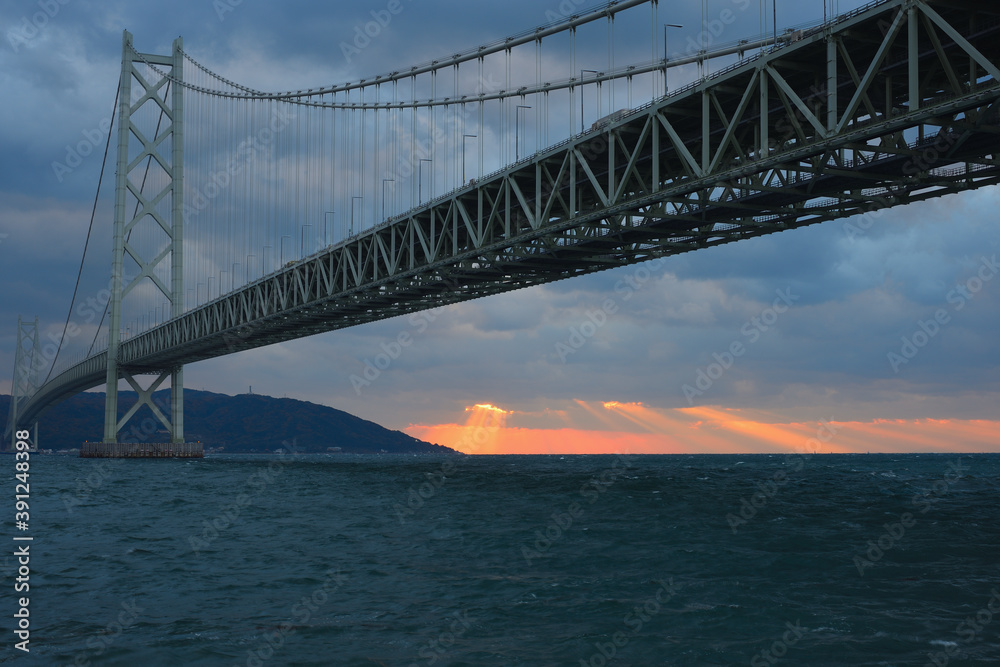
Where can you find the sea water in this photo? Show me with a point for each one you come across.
(511, 560)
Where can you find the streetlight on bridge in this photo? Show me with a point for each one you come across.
(420, 180)
(350, 232)
(328, 224)
(302, 242)
(384, 181)
(517, 129)
(665, 26)
(596, 75)
(465, 139)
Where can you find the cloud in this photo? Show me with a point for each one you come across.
(859, 293)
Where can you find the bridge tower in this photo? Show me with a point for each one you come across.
(156, 81)
(27, 362)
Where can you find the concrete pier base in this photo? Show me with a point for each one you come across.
(141, 450)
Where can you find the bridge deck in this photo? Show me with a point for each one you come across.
(835, 124)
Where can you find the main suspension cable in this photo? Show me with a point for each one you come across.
(90, 229)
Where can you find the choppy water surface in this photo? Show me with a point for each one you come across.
(588, 560)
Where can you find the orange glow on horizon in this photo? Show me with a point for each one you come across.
(638, 429)
(546, 441)
(480, 433)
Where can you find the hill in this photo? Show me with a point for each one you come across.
(243, 423)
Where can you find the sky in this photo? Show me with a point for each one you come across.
(869, 334)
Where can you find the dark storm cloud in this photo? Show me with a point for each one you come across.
(858, 295)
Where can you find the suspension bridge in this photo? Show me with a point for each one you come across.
(244, 218)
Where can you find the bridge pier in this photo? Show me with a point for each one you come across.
(141, 450)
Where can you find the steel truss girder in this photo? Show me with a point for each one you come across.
(840, 123)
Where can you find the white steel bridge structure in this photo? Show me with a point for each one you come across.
(894, 103)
